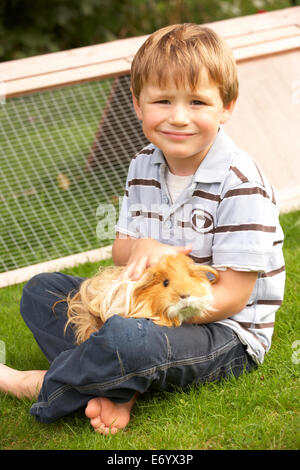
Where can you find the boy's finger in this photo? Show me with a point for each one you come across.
(184, 249)
(134, 271)
(139, 270)
(126, 273)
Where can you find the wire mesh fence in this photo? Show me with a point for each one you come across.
(63, 153)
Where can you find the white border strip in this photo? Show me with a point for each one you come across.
(289, 200)
(24, 274)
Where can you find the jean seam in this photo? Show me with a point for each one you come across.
(147, 372)
(169, 352)
(167, 365)
(121, 364)
(62, 390)
(53, 396)
(226, 367)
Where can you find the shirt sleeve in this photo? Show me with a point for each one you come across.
(126, 224)
(245, 230)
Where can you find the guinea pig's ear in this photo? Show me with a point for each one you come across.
(201, 269)
(146, 278)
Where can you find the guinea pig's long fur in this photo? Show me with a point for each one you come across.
(168, 293)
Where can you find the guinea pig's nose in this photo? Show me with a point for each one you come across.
(184, 296)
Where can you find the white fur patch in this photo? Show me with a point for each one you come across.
(191, 306)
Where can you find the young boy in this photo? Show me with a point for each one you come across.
(193, 191)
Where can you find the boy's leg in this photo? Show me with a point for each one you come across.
(134, 355)
(47, 325)
(19, 383)
(46, 318)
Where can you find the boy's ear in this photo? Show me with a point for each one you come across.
(136, 106)
(227, 111)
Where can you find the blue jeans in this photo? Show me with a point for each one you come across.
(125, 356)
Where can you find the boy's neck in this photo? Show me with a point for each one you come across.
(186, 167)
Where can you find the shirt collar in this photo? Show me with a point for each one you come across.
(158, 156)
(215, 164)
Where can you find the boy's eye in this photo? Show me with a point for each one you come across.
(197, 102)
(162, 102)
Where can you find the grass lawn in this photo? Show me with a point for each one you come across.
(256, 411)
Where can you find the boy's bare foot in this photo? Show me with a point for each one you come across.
(108, 417)
(22, 384)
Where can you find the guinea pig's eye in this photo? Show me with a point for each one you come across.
(166, 282)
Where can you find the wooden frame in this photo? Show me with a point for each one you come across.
(249, 36)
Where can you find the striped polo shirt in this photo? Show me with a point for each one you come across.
(228, 214)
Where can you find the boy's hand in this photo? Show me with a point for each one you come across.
(147, 252)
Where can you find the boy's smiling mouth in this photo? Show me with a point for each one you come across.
(176, 135)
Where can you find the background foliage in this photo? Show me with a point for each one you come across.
(32, 27)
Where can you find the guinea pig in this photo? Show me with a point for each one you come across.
(170, 292)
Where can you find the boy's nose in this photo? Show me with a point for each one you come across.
(179, 116)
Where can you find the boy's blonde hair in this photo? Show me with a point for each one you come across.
(177, 53)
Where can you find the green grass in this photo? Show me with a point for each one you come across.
(259, 410)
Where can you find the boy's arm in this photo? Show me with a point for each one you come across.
(122, 248)
(231, 294)
(140, 253)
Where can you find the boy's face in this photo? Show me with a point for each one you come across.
(181, 122)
